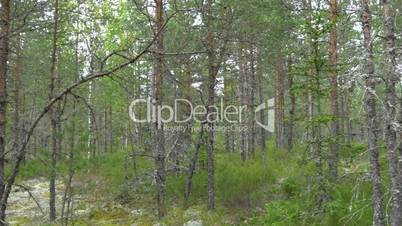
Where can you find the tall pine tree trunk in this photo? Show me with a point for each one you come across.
(391, 120)
(158, 134)
(251, 101)
(372, 123)
(292, 109)
(91, 132)
(110, 127)
(53, 117)
(333, 158)
(183, 143)
(4, 49)
(262, 132)
(213, 68)
(229, 136)
(16, 96)
(280, 104)
(243, 100)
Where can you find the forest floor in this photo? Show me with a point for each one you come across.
(278, 191)
(27, 208)
(103, 197)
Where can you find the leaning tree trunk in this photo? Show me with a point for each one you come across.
(191, 168)
(4, 48)
(372, 123)
(391, 120)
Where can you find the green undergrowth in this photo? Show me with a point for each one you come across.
(276, 187)
(347, 200)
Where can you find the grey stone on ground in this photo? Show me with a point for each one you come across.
(159, 224)
(193, 223)
(191, 214)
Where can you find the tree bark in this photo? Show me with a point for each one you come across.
(251, 101)
(262, 116)
(280, 104)
(213, 67)
(91, 132)
(322, 197)
(16, 95)
(184, 141)
(105, 132)
(391, 120)
(333, 157)
(372, 123)
(243, 101)
(229, 136)
(191, 168)
(4, 49)
(110, 128)
(67, 196)
(53, 117)
(292, 110)
(158, 134)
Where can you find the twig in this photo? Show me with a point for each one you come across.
(30, 195)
